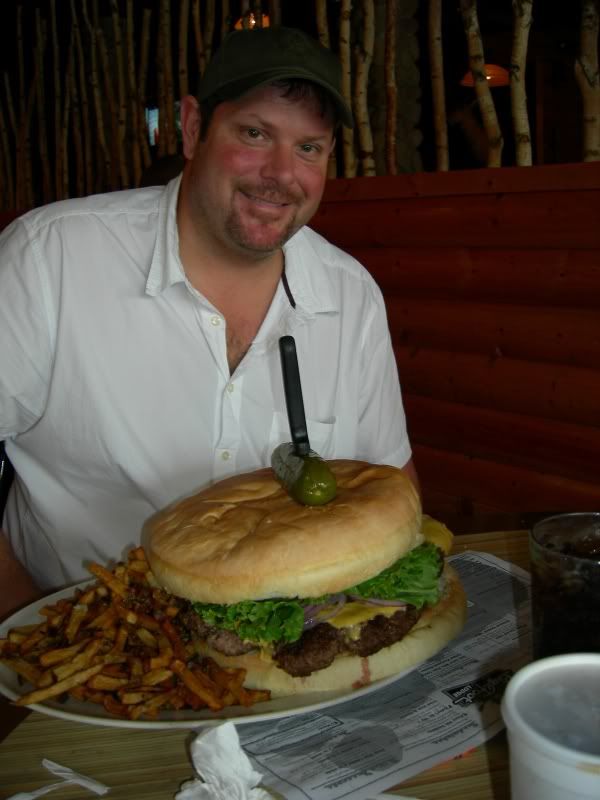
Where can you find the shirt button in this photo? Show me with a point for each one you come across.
(225, 455)
(214, 320)
(230, 387)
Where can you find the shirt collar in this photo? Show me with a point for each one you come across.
(166, 267)
(306, 268)
(308, 273)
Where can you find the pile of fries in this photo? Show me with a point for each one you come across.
(118, 643)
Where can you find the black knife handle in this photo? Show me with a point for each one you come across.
(293, 395)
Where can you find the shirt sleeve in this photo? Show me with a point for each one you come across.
(25, 340)
(383, 436)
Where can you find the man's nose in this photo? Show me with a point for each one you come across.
(280, 164)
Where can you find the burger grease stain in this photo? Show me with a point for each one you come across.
(371, 749)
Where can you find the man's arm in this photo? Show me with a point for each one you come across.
(18, 587)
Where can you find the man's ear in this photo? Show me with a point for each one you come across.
(190, 125)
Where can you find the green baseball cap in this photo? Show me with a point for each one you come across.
(252, 57)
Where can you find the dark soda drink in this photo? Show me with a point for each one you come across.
(565, 584)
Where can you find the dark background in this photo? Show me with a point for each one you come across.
(553, 95)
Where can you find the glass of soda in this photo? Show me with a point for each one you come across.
(565, 584)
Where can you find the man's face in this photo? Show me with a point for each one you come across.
(259, 174)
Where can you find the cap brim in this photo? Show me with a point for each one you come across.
(240, 86)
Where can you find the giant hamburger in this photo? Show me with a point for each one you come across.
(309, 598)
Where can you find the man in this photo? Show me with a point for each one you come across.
(139, 359)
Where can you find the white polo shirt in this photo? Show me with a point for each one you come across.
(115, 392)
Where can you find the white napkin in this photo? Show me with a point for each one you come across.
(224, 771)
(69, 778)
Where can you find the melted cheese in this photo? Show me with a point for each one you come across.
(437, 533)
(357, 613)
(354, 614)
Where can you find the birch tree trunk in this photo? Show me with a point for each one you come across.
(323, 36)
(57, 102)
(9, 185)
(70, 89)
(468, 9)
(346, 61)
(20, 157)
(121, 96)
(586, 74)
(28, 170)
(391, 88)
(184, 18)
(364, 57)
(438, 93)
(225, 18)
(522, 14)
(109, 93)
(209, 28)
(78, 56)
(10, 106)
(141, 88)
(102, 176)
(133, 137)
(40, 50)
(169, 128)
(322, 24)
(198, 38)
(274, 12)
(79, 160)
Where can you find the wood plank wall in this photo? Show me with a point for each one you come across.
(492, 285)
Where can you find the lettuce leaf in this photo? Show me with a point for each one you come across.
(263, 621)
(412, 579)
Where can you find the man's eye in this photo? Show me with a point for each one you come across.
(310, 149)
(253, 133)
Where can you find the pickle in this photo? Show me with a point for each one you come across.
(308, 479)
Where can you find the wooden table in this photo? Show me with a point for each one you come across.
(151, 765)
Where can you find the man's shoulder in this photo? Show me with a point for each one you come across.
(334, 265)
(310, 241)
(123, 204)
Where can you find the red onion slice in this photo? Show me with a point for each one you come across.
(374, 601)
(321, 612)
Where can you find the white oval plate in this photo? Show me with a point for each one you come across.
(93, 714)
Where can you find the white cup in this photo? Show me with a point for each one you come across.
(551, 709)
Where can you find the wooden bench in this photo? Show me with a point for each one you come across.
(492, 285)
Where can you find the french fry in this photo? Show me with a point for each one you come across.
(39, 695)
(106, 683)
(113, 583)
(18, 635)
(59, 654)
(120, 639)
(175, 639)
(88, 597)
(147, 638)
(118, 643)
(156, 676)
(133, 698)
(114, 707)
(138, 566)
(137, 554)
(23, 668)
(79, 662)
(150, 707)
(198, 686)
(34, 638)
(103, 620)
(133, 618)
(78, 614)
